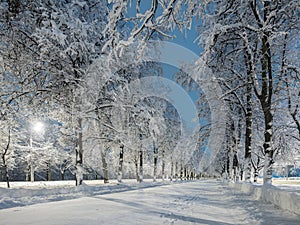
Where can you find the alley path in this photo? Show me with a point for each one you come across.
(199, 202)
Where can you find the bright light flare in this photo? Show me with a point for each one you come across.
(38, 127)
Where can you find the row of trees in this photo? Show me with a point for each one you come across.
(252, 48)
(71, 64)
(50, 73)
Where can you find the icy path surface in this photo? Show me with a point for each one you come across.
(199, 202)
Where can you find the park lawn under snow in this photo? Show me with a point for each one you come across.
(194, 202)
(27, 193)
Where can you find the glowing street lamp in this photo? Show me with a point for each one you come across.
(38, 128)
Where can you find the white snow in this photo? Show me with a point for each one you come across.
(286, 197)
(195, 202)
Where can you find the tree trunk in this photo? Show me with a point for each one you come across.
(266, 99)
(27, 173)
(227, 164)
(255, 168)
(248, 134)
(141, 165)
(232, 148)
(176, 170)
(266, 102)
(120, 163)
(79, 155)
(294, 115)
(235, 167)
(31, 161)
(255, 175)
(4, 161)
(136, 163)
(237, 142)
(155, 169)
(266, 82)
(104, 166)
(181, 172)
(163, 167)
(269, 152)
(48, 171)
(155, 162)
(62, 173)
(6, 176)
(172, 170)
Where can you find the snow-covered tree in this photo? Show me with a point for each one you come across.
(69, 39)
(253, 34)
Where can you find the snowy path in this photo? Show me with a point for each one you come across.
(200, 202)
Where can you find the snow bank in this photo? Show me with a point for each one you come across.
(282, 198)
(28, 193)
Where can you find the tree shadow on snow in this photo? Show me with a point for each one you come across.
(142, 208)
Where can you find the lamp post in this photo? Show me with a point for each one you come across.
(36, 127)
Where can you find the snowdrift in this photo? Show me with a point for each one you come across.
(282, 198)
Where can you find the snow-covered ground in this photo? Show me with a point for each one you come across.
(291, 184)
(196, 202)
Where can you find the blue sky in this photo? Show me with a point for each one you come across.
(188, 40)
